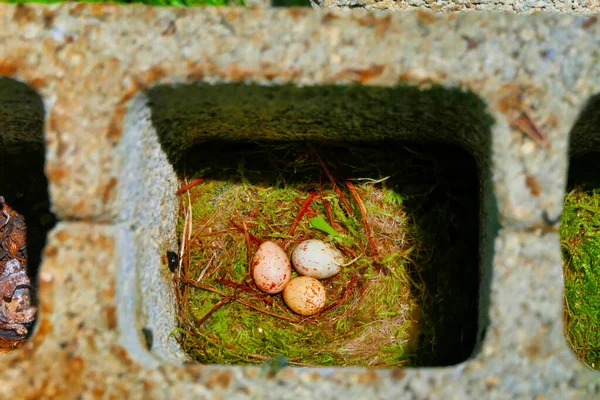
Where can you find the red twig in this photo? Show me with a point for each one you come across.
(335, 186)
(332, 221)
(347, 249)
(264, 297)
(246, 288)
(309, 211)
(190, 185)
(349, 289)
(301, 212)
(267, 312)
(224, 300)
(199, 231)
(217, 291)
(216, 339)
(229, 282)
(248, 246)
(363, 212)
(185, 268)
(253, 238)
(195, 284)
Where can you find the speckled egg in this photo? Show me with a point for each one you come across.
(317, 259)
(271, 268)
(305, 295)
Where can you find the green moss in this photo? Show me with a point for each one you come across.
(191, 114)
(176, 3)
(416, 306)
(580, 240)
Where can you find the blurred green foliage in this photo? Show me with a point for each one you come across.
(176, 3)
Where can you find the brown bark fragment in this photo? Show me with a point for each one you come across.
(16, 293)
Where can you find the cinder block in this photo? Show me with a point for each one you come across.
(585, 7)
(122, 89)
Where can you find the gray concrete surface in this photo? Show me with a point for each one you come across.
(103, 277)
(585, 7)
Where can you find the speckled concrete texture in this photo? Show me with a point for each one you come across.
(89, 64)
(582, 7)
(149, 212)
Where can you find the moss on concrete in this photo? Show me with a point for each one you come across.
(580, 240)
(190, 114)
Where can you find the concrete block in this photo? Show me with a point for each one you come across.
(118, 84)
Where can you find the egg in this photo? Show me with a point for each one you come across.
(305, 295)
(317, 259)
(271, 269)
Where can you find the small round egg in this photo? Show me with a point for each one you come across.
(305, 295)
(271, 269)
(317, 259)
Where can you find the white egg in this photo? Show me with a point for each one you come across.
(305, 295)
(271, 268)
(317, 259)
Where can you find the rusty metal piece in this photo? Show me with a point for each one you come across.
(17, 311)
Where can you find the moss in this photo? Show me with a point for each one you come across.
(416, 306)
(176, 3)
(580, 241)
(191, 114)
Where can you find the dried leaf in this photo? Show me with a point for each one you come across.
(16, 309)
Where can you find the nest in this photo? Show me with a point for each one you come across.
(240, 195)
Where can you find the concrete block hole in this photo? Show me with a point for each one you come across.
(290, 3)
(24, 188)
(434, 146)
(580, 238)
